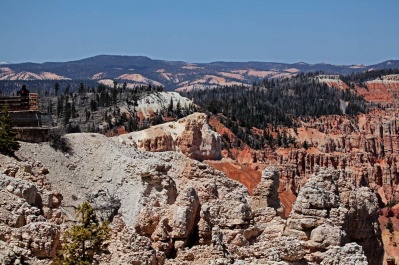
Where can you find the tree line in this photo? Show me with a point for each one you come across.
(274, 103)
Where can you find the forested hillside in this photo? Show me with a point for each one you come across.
(274, 103)
(360, 78)
(111, 110)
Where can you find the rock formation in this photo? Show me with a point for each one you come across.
(330, 211)
(29, 222)
(175, 210)
(230, 226)
(190, 135)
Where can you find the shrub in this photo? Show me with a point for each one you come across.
(85, 239)
(389, 226)
(8, 143)
(58, 141)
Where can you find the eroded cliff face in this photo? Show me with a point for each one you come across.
(197, 224)
(365, 147)
(175, 210)
(30, 218)
(381, 90)
(190, 135)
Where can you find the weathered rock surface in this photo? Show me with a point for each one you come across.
(351, 253)
(330, 211)
(190, 135)
(175, 210)
(28, 222)
(329, 214)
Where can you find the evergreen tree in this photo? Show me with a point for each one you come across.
(114, 94)
(8, 144)
(67, 111)
(85, 239)
(81, 88)
(50, 107)
(178, 109)
(56, 88)
(73, 110)
(170, 107)
(93, 105)
(60, 105)
(67, 89)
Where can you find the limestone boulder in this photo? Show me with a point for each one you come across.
(351, 254)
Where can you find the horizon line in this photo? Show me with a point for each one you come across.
(209, 62)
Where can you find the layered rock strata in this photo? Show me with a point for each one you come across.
(190, 135)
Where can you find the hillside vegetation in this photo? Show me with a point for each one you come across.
(272, 103)
(111, 110)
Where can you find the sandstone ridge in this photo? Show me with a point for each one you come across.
(190, 135)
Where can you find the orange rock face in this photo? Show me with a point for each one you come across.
(366, 146)
(244, 174)
(382, 90)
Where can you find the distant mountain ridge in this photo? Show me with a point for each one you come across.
(140, 70)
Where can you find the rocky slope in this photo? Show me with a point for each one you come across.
(175, 210)
(364, 147)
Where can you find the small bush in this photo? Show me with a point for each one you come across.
(73, 128)
(58, 141)
(8, 143)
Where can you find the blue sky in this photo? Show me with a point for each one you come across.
(339, 32)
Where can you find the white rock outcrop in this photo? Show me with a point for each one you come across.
(190, 135)
(27, 231)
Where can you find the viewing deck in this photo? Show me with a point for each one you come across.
(30, 103)
(29, 123)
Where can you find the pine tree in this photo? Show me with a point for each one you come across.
(81, 88)
(56, 88)
(178, 109)
(67, 112)
(73, 110)
(67, 89)
(60, 105)
(170, 107)
(85, 239)
(8, 144)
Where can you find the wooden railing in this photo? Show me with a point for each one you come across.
(21, 103)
